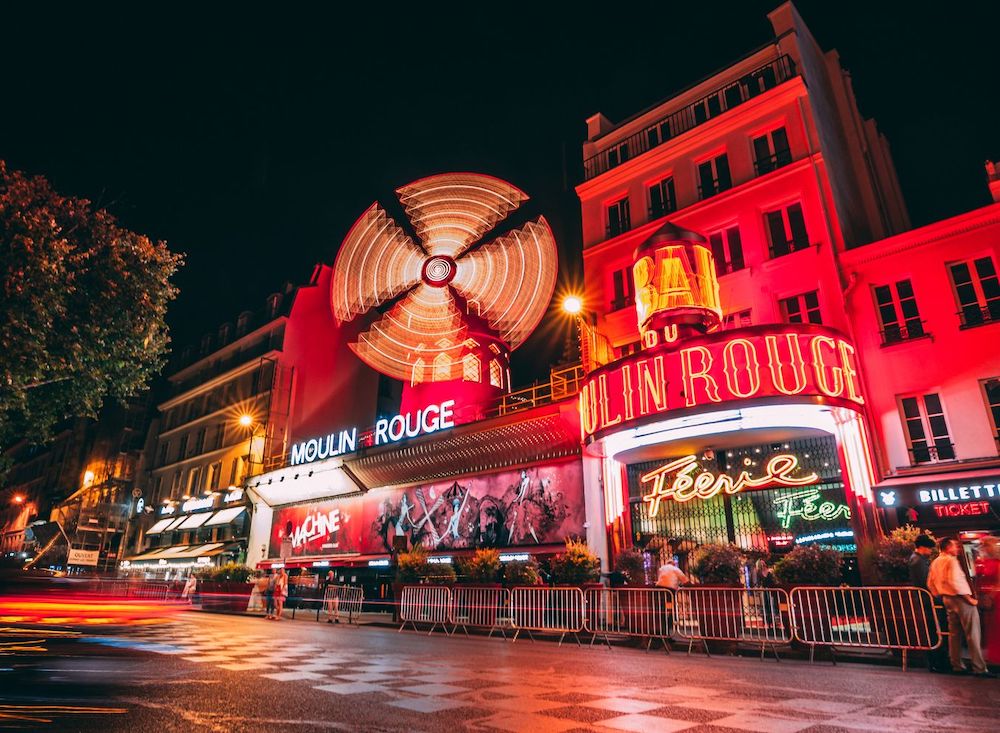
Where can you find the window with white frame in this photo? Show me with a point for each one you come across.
(786, 229)
(991, 393)
(714, 176)
(802, 308)
(619, 217)
(770, 151)
(926, 429)
(977, 290)
(727, 249)
(662, 198)
(623, 289)
(897, 312)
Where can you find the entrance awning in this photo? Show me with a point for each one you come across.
(225, 516)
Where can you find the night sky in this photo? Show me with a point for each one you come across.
(251, 140)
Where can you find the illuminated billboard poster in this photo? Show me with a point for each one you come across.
(945, 500)
(533, 506)
(791, 360)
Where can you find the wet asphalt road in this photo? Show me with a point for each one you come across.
(207, 672)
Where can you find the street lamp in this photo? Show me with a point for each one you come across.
(18, 499)
(572, 305)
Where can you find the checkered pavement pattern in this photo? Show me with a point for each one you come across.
(478, 695)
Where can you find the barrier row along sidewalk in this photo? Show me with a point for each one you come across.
(890, 618)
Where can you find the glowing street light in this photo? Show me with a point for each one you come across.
(572, 305)
(18, 499)
(246, 420)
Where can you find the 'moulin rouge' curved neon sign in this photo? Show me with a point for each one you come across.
(685, 485)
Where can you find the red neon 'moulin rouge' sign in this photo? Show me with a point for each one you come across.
(802, 361)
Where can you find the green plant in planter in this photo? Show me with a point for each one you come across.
(440, 574)
(520, 572)
(576, 566)
(482, 567)
(892, 553)
(412, 566)
(229, 573)
(631, 563)
(809, 565)
(717, 564)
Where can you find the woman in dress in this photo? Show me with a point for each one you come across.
(280, 593)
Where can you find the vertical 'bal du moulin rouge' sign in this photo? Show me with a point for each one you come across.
(684, 366)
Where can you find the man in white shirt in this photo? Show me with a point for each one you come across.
(947, 581)
(670, 576)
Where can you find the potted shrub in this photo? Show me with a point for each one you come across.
(412, 566)
(891, 557)
(576, 566)
(440, 574)
(520, 572)
(483, 568)
(717, 564)
(631, 565)
(809, 565)
(224, 587)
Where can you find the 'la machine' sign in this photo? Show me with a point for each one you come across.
(426, 420)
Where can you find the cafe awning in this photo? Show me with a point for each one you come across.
(180, 552)
(225, 516)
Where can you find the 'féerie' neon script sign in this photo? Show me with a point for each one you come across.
(809, 506)
(686, 486)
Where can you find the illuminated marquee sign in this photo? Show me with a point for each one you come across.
(969, 509)
(316, 525)
(426, 420)
(953, 494)
(796, 361)
(685, 485)
(808, 506)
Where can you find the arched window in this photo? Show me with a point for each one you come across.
(471, 368)
(418, 373)
(442, 368)
(496, 373)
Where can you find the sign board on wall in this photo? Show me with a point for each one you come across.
(791, 360)
(537, 505)
(84, 557)
(944, 500)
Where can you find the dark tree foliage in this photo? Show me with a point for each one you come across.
(82, 307)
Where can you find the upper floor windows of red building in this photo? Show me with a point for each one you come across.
(619, 217)
(977, 290)
(786, 229)
(803, 308)
(771, 151)
(623, 289)
(727, 249)
(714, 176)
(991, 393)
(662, 198)
(926, 429)
(897, 312)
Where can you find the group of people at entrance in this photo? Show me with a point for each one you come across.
(948, 581)
(270, 592)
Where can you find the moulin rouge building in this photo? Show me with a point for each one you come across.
(771, 356)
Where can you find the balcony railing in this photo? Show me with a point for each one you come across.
(614, 228)
(709, 189)
(711, 105)
(772, 162)
(787, 247)
(942, 450)
(899, 332)
(658, 210)
(977, 315)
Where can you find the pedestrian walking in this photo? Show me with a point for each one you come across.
(331, 600)
(189, 588)
(946, 579)
(256, 602)
(272, 580)
(280, 593)
(988, 586)
(919, 566)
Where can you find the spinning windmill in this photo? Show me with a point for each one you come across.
(456, 303)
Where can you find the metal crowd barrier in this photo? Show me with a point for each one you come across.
(646, 613)
(146, 590)
(552, 610)
(487, 608)
(340, 599)
(740, 615)
(429, 604)
(875, 617)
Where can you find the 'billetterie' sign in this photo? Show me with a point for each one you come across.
(791, 360)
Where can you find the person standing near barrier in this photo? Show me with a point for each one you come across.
(331, 601)
(280, 593)
(670, 576)
(272, 580)
(189, 588)
(947, 580)
(919, 566)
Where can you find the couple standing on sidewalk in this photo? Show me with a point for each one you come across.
(946, 580)
(276, 593)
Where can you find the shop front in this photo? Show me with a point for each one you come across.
(752, 436)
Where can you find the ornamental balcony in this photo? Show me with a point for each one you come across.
(898, 333)
(720, 100)
(941, 450)
(979, 315)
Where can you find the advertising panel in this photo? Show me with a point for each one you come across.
(531, 506)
